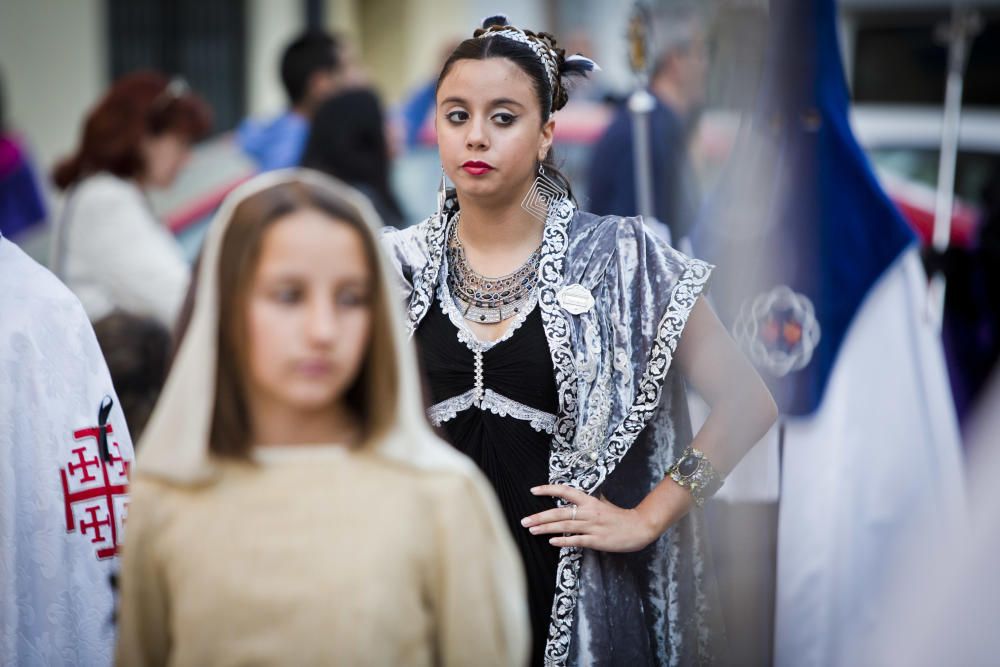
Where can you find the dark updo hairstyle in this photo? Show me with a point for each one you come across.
(136, 106)
(487, 42)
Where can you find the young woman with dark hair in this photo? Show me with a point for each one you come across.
(108, 247)
(549, 337)
(291, 504)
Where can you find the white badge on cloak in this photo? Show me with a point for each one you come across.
(575, 299)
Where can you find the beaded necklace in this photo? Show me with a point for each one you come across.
(489, 300)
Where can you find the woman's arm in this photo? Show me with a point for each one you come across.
(742, 407)
(742, 411)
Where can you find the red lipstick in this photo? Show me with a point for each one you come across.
(477, 168)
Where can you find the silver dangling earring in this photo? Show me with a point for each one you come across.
(442, 196)
(542, 194)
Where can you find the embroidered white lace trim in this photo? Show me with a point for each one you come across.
(498, 404)
(448, 409)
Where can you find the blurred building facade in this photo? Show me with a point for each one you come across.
(58, 56)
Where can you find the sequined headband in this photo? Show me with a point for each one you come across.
(548, 57)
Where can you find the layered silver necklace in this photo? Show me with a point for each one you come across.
(489, 300)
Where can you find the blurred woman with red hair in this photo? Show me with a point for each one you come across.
(108, 246)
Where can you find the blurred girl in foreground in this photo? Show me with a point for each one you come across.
(304, 513)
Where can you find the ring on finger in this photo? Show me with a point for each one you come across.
(573, 518)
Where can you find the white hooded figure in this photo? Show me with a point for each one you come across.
(291, 504)
(65, 459)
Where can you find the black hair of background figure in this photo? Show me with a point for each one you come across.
(311, 52)
(347, 141)
(137, 351)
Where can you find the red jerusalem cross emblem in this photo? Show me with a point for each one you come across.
(95, 489)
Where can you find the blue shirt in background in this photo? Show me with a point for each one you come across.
(274, 144)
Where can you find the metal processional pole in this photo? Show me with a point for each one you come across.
(959, 32)
(640, 104)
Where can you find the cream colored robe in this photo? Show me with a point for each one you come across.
(312, 560)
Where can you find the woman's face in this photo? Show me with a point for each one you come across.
(309, 313)
(490, 130)
(164, 155)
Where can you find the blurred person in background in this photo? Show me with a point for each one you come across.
(108, 246)
(314, 66)
(677, 83)
(292, 505)
(65, 457)
(22, 204)
(137, 350)
(347, 141)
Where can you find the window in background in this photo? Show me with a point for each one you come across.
(898, 59)
(202, 41)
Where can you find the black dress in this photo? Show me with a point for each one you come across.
(512, 451)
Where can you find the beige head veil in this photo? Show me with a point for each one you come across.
(174, 446)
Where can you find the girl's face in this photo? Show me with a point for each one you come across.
(309, 313)
(490, 130)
